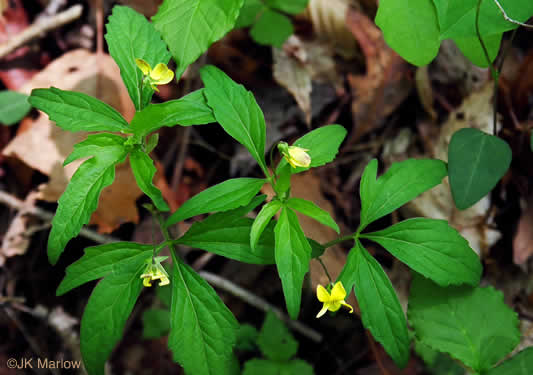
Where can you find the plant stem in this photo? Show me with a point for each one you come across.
(339, 240)
(325, 269)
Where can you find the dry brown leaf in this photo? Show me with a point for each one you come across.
(425, 91)
(44, 146)
(146, 7)
(523, 240)
(385, 85)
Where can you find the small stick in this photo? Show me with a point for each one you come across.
(507, 18)
(40, 28)
(261, 304)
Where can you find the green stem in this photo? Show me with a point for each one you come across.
(339, 240)
(325, 269)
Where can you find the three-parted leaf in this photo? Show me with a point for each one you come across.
(222, 197)
(98, 261)
(262, 219)
(433, 248)
(144, 171)
(293, 253)
(236, 111)
(106, 313)
(130, 36)
(13, 107)
(80, 198)
(202, 329)
(192, 109)
(380, 309)
(75, 111)
(519, 364)
(476, 162)
(402, 182)
(190, 26)
(312, 210)
(473, 325)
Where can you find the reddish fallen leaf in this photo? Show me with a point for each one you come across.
(523, 239)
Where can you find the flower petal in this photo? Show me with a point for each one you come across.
(323, 311)
(161, 75)
(322, 294)
(344, 304)
(144, 66)
(334, 306)
(338, 293)
(146, 282)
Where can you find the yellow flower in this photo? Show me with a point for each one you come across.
(155, 271)
(333, 301)
(295, 156)
(160, 75)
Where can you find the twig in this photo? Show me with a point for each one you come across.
(507, 18)
(19, 205)
(40, 28)
(260, 303)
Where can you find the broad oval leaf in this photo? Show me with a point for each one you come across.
(262, 219)
(13, 107)
(401, 183)
(144, 171)
(275, 340)
(473, 325)
(381, 312)
(202, 329)
(476, 162)
(98, 261)
(106, 313)
(236, 111)
(410, 28)
(190, 26)
(293, 253)
(312, 210)
(130, 36)
(291, 7)
(192, 109)
(471, 48)
(249, 12)
(222, 197)
(433, 248)
(519, 364)
(272, 29)
(75, 111)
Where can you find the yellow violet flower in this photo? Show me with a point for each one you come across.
(333, 301)
(295, 156)
(155, 271)
(160, 75)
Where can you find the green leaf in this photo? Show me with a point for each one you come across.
(13, 107)
(275, 341)
(156, 323)
(246, 337)
(348, 275)
(98, 261)
(262, 219)
(471, 48)
(225, 196)
(473, 325)
(272, 29)
(96, 144)
(438, 363)
(189, 110)
(401, 183)
(80, 198)
(190, 26)
(520, 364)
(312, 210)
(476, 162)
(236, 111)
(458, 17)
(257, 366)
(144, 171)
(323, 145)
(433, 248)
(106, 313)
(130, 36)
(291, 7)
(75, 111)
(202, 329)
(249, 12)
(410, 28)
(381, 312)
(293, 253)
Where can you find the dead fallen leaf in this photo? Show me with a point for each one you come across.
(44, 146)
(523, 240)
(146, 7)
(425, 91)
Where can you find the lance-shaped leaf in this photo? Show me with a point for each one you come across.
(191, 109)
(13, 107)
(262, 219)
(381, 312)
(130, 36)
(348, 275)
(312, 210)
(156, 323)
(202, 329)
(80, 198)
(293, 254)
(98, 261)
(236, 111)
(519, 364)
(473, 325)
(75, 111)
(323, 145)
(144, 171)
(222, 197)
(432, 248)
(190, 26)
(402, 182)
(106, 313)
